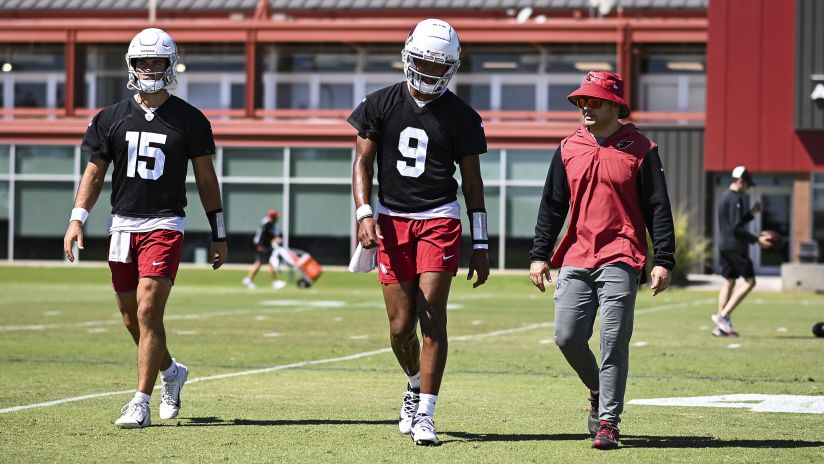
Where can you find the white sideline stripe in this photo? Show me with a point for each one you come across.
(65, 400)
(350, 357)
(171, 317)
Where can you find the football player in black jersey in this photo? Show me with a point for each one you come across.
(149, 139)
(267, 237)
(419, 131)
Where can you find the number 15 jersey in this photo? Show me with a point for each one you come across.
(418, 147)
(150, 154)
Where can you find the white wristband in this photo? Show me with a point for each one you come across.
(479, 230)
(480, 246)
(79, 214)
(363, 211)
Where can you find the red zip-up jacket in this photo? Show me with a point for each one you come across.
(612, 193)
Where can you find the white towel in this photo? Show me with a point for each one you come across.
(363, 260)
(120, 247)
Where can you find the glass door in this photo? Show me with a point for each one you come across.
(777, 207)
(776, 201)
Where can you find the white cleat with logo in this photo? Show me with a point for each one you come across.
(136, 415)
(411, 399)
(170, 392)
(423, 431)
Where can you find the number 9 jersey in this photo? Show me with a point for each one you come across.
(418, 147)
(150, 153)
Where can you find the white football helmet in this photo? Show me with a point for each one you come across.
(152, 43)
(436, 41)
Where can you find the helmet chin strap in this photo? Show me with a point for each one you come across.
(150, 86)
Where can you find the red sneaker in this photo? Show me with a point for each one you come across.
(607, 436)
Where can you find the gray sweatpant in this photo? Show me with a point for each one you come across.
(579, 294)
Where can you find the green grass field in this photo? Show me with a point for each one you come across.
(333, 389)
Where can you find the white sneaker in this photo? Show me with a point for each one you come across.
(409, 406)
(278, 284)
(248, 283)
(423, 431)
(136, 415)
(170, 392)
(722, 323)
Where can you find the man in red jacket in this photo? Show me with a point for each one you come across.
(608, 178)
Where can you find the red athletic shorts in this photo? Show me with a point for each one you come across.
(154, 254)
(414, 246)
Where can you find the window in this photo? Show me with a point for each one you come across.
(321, 221)
(523, 165)
(495, 77)
(518, 97)
(252, 162)
(316, 76)
(5, 156)
(818, 213)
(497, 59)
(97, 225)
(322, 162)
(490, 167)
(212, 76)
(36, 76)
(382, 67)
(566, 66)
(247, 203)
(522, 210)
(208, 75)
(40, 218)
(672, 79)
(476, 95)
(106, 75)
(44, 159)
(527, 77)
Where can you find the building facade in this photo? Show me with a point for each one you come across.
(277, 79)
(765, 110)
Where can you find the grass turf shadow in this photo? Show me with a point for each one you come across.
(627, 441)
(653, 441)
(218, 422)
(639, 441)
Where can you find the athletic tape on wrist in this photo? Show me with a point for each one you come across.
(363, 211)
(218, 225)
(79, 214)
(478, 229)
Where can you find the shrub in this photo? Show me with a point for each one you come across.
(691, 249)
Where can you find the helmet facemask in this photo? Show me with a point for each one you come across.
(159, 80)
(422, 82)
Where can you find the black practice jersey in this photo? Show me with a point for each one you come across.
(266, 232)
(418, 148)
(150, 157)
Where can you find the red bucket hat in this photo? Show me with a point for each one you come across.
(604, 85)
(272, 214)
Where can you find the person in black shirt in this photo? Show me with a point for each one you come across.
(149, 139)
(734, 215)
(419, 131)
(266, 237)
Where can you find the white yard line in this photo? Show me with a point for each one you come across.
(170, 317)
(350, 357)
